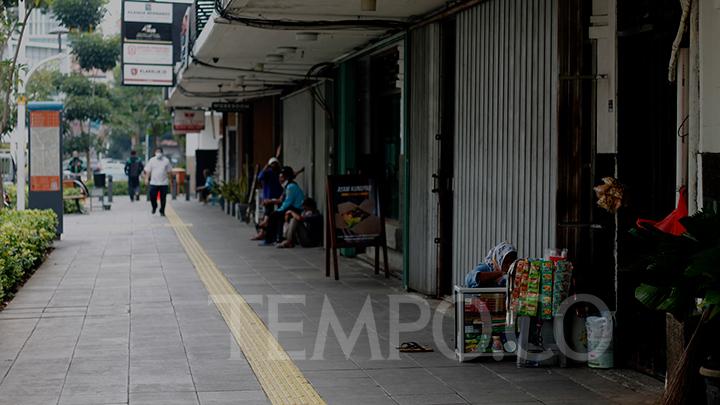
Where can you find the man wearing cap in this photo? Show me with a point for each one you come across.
(292, 200)
(271, 190)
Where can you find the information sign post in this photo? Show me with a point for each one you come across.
(45, 153)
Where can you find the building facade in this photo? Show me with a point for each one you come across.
(484, 121)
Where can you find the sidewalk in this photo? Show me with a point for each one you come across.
(119, 315)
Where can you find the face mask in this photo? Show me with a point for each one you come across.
(158, 154)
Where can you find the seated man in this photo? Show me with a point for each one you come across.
(292, 200)
(493, 271)
(305, 229)
(209, 187)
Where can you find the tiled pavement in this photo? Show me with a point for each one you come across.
(117, 315)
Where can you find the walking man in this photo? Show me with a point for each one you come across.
(133, 168)
(157, 173)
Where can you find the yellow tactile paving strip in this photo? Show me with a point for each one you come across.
(278, 375)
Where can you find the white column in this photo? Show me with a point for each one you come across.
(20, 128)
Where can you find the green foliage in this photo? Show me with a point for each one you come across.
(87, 108)
(233, 191)
(678, 270)
(72, 206)
(81, 142)
(11, 190)
(137, 110)
(44, 84)
(79, 15)
(120, 188)
(11, 26)
(25, 237)
(93, 51)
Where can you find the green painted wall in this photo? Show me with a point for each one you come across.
(347, 115)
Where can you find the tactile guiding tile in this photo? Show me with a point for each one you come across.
(278, 375)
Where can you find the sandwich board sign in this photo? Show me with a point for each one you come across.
(354, 219)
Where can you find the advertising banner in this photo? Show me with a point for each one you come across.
(185, 121)
(184, 41)
(353, 205)
(355, 220)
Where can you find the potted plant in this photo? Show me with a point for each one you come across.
(682, 277)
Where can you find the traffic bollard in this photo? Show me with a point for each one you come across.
(110, 189)
(187, 188)
(173, 186)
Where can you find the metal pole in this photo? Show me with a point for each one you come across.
(20, 129)
(110, 189)
(147, 147)
(187, 187)
(174, 187)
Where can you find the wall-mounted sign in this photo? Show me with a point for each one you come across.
(229, 107)
(148, 54)
(185, 121)
(143, 11)
(148, 75)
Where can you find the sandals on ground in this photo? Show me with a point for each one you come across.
(414, 347)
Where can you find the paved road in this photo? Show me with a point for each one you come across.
(119, 315)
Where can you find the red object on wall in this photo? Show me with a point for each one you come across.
(670, 224)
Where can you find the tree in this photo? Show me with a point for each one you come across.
(11, 26)
(79, 15)
(85, 102)
(139, 110)
(44, 85)
(93, 51)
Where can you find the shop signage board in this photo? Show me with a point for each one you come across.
(229, 107)
(148, 12)
(45, 158)
(147, 75)
(148, 54)
(185, 121)
(355, 219)
(148, 32)
(151, 42)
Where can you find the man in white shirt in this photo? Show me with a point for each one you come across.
(157, 173)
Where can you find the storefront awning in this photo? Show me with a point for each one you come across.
(252, 48)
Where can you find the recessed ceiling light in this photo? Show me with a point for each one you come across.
(368, 5)
(306, 36)
(274, 58)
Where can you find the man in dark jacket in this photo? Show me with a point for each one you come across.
(133, 169)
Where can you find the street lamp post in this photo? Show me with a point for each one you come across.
(20, 129)
(20, 143)
(59, 32)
